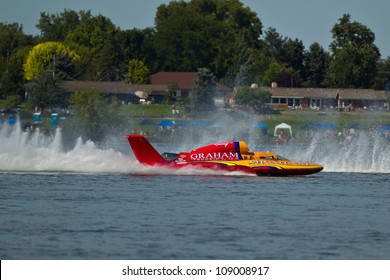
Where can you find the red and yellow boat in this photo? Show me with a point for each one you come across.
(228, 156)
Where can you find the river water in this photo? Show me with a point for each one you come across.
(91, 202)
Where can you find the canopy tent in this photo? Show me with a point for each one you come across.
(283, 126)
(198, 123)
(9, 112)
(166, 123)
(192, 123)
(11, 121)
(384, 128)
(259, 125)
(327, 126)
(146, 122)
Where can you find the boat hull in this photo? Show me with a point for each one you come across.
(265, 169)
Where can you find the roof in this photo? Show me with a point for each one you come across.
(184, 80)
(331, 93)
(119, 87)
(159, 84)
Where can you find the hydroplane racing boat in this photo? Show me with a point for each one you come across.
(228, 156)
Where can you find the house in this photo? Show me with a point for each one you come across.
(124, 92)
(132, 93)
(185, 84)
(328, 98)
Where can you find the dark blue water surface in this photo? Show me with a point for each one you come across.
(60, 215)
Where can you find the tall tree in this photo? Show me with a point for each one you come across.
(12, 82)
(94, 114)
(109, 64)
(273, 44)
(258, 67)
(13, 46)
(64, 67)
(354, 55)
(55, 27)
(252, 98)
(282, 75)
(295, 54)
(44, 56)
(139, 44)
(316, 62)
(204, 92)
(95, 36)
(207, 36)
(45, 91)
(137, 73)
(11, 38)
(382, 79)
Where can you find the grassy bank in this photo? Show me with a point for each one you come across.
(342, 120)
(238, 120)
(297, 119)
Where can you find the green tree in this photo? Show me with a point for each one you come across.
(210, 35)
(354, 55)
(204, 92)
(184, 48)
(11, 39)
(64, 68)
(383, 76)
(96, 38)
(273, 44)
(170, 94)
(109, 61)
(316, 62)
(258, 67)
(243, 77)
(252, 98)
(295, 55)
(94, 114)
(43, 57)
(137, 73)
(45, 91)
(55, 27)
(12, 82)
(139, 44)
(13, 44)
(12, 101)
(237, 68)
(282, 75)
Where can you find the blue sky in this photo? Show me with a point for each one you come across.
(308, 20)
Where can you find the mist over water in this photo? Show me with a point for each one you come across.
(366, 153)
(24, 151)
(36, 152)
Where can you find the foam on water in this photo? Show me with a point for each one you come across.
(26, 151)
(365, 153)
(35, 152)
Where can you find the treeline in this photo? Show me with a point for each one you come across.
(223, 36)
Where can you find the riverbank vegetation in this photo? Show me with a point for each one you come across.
(224, 37)
(222, 40)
